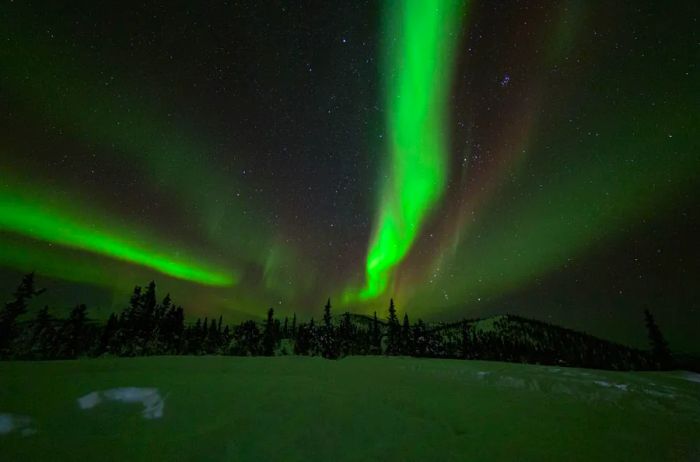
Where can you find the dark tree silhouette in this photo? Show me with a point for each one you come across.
(347, 337)
(406, 337)
(195, 338)
(314, 347)
(466, 340)
(375, 337)
(146, 327)
(269, 337)
(660, 352)
(420, 339)
(109, 341)
(172, 328)
(15, 308)
(212, 339)
(43, 339)
(302, 345)
(393, 344)
(138, 322)
(326, 335)
(225, 339)
(74, 334)
(246, 339)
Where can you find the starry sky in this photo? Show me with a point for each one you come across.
(467, 158)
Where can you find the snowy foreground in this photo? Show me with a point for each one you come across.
(359, 408)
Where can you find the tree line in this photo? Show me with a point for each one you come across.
(151, 327)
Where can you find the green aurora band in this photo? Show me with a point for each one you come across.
(420, 63)
(71, 92)
(576, 191)
(36, 220)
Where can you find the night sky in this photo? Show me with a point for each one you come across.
(466, 158)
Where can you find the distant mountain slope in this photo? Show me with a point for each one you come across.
(519, 339)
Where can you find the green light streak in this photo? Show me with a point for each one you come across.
(424, 34)
(97, 105)
(43, 222)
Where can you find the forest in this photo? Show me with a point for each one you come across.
(148, 327)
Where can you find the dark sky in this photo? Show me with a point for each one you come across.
(537, 158)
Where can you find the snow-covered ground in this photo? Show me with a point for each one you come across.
(360, 408)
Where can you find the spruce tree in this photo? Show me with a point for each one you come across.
(212, 339)
(406, 337)
(43, 338)
(13, 309)
(74, 335)
(194, 340)
(660, 352)
(466, 340)
(171, 327)
(312, 333)
(346, 336)
(225, 339)
(138, 320)
(109, 340)
(269, 340)
(393, 346)
(247, 339)
(302, 342)
(375, 338)
(202, 334)
(420, 340)
(327, 336)
(327, 317)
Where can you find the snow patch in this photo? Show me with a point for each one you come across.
(659, 394)
(89, 401)
(619, 386)
(692, 377)
(153, 403)
(13, 422)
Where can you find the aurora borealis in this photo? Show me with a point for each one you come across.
(466, 158)
(29, 218)
(419, 66)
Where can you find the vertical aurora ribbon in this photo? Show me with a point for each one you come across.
(420, 40)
